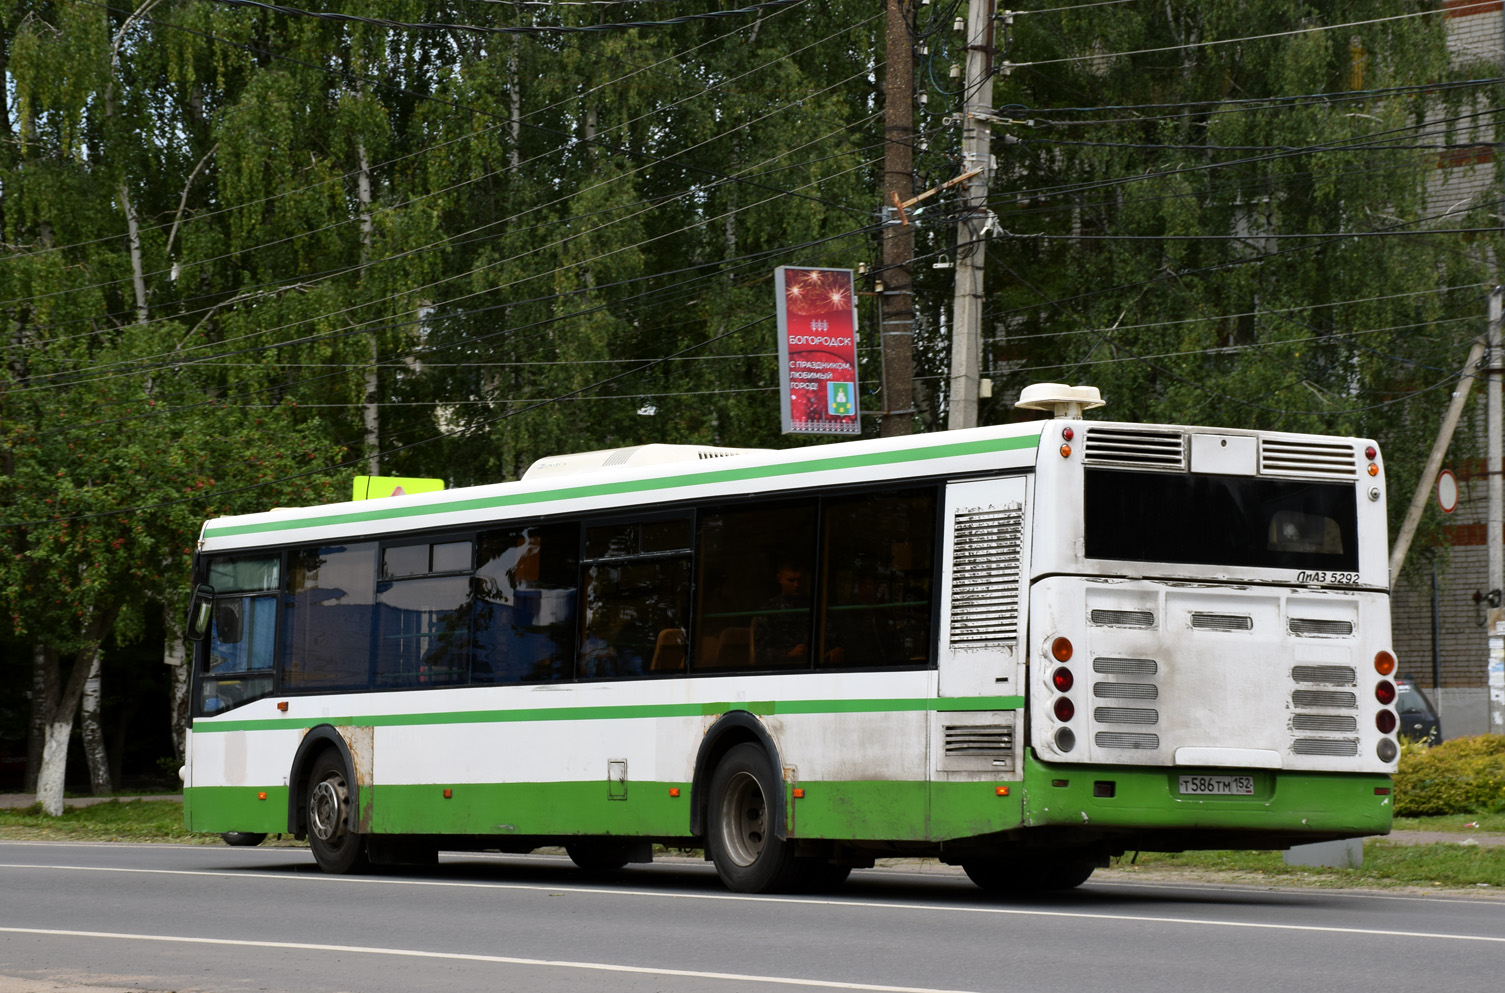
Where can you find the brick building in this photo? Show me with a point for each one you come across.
(1437, 624)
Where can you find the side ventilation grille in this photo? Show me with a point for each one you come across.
(1337, 675)
(1135, 448)
(1307, 458)
(970, 742)
(985, 576)
(983, 739)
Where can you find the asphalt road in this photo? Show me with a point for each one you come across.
(163, 917)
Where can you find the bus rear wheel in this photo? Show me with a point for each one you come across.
(336, 848)
(1036, 874)
(742, 839)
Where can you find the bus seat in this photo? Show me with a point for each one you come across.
(736, 648)
(669, 651)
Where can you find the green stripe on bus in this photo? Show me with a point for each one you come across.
(762, 708)
(875, 810)
(211, 530)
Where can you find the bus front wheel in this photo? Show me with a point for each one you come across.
(741, 837)
(336, 848)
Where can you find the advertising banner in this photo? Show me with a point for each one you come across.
(817, 350)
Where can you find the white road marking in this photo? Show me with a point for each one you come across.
(490, 959)
(751, 898)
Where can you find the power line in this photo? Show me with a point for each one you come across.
(537, 29)
(1455, 11)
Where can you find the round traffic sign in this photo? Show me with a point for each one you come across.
(1447, 491)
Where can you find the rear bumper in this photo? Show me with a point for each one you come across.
(1144, 809)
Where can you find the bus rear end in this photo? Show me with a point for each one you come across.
(1209, 639)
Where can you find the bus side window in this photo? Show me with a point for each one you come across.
(637, 599)
(524, 605)
(754, 587)
(240, 650)
(876, 580)
(329, 617)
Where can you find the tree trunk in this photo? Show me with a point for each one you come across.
(175, 655)
(372, 413)
(94, 737)
(54, 767)
(59, 718)
(44, 680)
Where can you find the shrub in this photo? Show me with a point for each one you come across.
(1462, 776)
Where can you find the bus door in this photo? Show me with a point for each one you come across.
(984, 589)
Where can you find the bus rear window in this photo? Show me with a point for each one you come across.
(1237, 521)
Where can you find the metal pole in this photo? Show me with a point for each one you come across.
(966, 308)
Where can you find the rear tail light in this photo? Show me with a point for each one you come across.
(1385, 721)
(1060, 649)
(1062, 679)
(1384, 692)
(1065, 742)
(1064, 709)
(1384, 663)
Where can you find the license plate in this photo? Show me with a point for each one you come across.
(1217, 785)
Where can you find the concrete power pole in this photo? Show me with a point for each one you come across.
(1495, 532)
(895, 281)
(966, 309)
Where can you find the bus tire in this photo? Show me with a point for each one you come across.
(336, 848)
(742, 841)
(598, 856)
(247, 839)
(1036, 874)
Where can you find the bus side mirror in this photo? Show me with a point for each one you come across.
(200, 613)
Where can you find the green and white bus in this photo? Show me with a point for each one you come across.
(1021, 649)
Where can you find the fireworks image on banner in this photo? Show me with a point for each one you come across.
(818, 291)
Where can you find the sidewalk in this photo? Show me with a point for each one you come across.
(12, 801)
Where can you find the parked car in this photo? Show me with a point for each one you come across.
(1418, 718)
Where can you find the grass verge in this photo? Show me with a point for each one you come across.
(114, 820)
(1454, 866)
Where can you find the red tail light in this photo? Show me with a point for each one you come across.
(1062, 679)
(1385, 721)
(1384, 692)
(1064, 709)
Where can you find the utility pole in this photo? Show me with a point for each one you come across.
(966, 308)
(1495, 532)
(895, 282)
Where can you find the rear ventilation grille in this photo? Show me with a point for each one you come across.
(1222, 622)
(1126, 715)
(1124, 618)
(1125, 691)
(1336, 723)
(1324, 698)
(1127, 739)
(1135, 448)
(1325, 746)
(1125, 667)
(985, 559)
(1320, 628)
(1338, 675)
(1307, 458)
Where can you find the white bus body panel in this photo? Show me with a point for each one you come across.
(1182, 674)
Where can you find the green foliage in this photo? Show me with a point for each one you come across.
(1460, 776)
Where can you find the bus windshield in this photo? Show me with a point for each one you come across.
(1238, 521)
